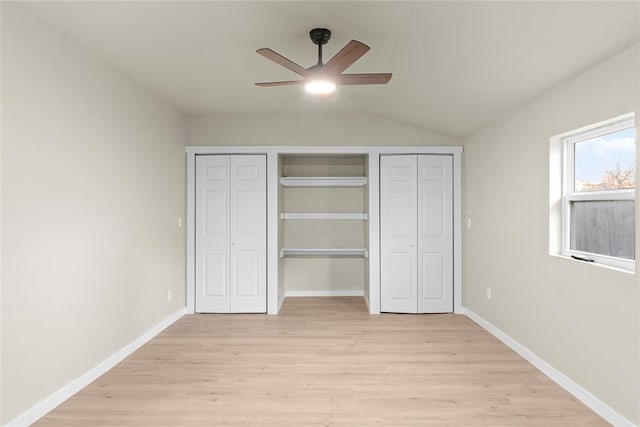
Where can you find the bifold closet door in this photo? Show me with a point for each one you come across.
(435, 234)
(231, 234)
(398, 234)
(416, 233)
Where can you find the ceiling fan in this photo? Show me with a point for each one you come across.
(323, 78)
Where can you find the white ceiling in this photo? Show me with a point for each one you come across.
(457, 66)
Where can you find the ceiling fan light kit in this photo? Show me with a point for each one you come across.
(320, 87)
(322, 79)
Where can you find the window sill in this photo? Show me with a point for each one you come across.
(597, 264)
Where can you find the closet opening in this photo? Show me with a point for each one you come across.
(323, 241)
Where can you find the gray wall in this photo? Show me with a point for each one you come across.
(308, 129)
(580, 318)
(92, 186)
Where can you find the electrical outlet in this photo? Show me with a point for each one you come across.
(179, 222)
(169, 295)
(488, 293)
(468, 222)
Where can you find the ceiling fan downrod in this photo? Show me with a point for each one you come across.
(319, 36)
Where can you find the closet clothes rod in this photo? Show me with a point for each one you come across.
(320, 252)
(324, 215)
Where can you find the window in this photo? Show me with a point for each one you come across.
(598, 196)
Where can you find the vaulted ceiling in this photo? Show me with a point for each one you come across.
(457, 66)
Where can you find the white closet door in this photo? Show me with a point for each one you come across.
(213, 234)
(230, 234)
(435, 234)
(248, 234)
(398, 234)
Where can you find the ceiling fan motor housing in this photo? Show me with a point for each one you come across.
(320, 36)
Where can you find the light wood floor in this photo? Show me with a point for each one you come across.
(323, 362)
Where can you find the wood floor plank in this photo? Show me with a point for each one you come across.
(323, 362)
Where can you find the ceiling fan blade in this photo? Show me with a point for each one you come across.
(347, 56)
(286, 83)
(281, 60)
(363, 79)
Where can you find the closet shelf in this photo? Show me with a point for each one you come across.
(324, 215)
(323, 181)
(345, 252)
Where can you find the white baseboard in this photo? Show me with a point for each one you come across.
(281, 302)
(347, 293)
(44, 406)
(596, 405)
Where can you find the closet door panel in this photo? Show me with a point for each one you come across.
(215, 273)
(435, 234)
(398, 226)
(212, 234)
(248, 234)
(401, 278)
(246, 278)
(216, 216)
(431, 279)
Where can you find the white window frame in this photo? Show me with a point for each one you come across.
(569, 141)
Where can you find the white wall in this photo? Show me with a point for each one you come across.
(308, 129)
(92, 186)
(580, 318)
